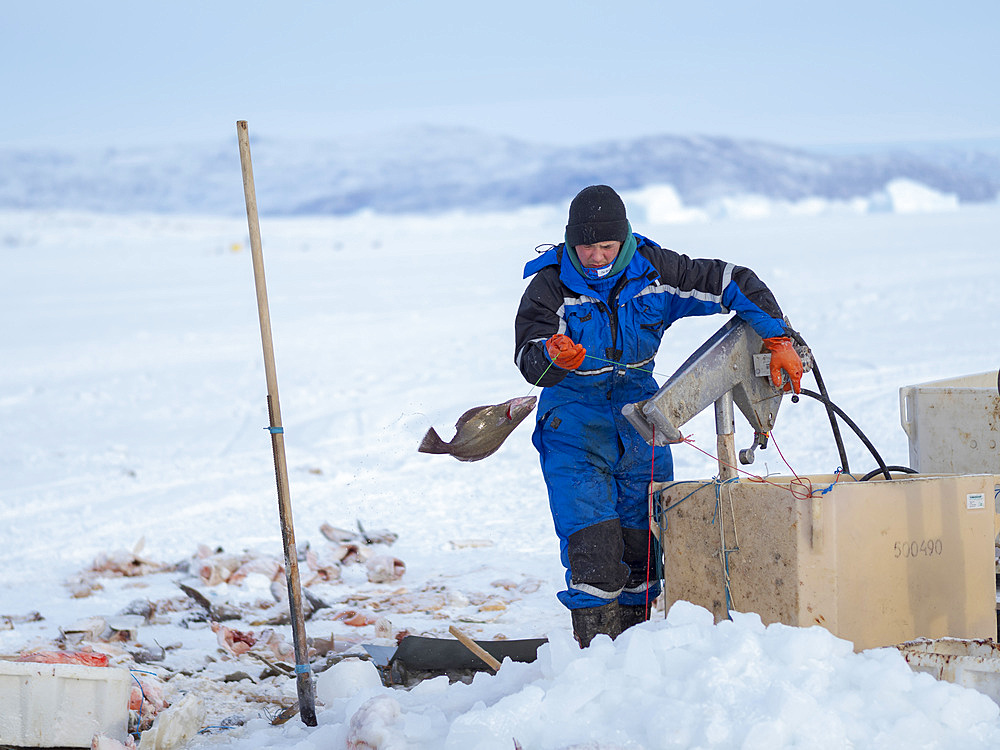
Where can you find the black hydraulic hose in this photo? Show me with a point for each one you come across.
(830, 409)
(873, 472)
(850, 423)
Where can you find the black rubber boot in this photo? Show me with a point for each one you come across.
(633, 614)
(591, 621)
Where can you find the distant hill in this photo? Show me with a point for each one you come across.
(435, 169)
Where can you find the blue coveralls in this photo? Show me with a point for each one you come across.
(596, 466)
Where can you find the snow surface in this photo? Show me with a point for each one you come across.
(132, 396)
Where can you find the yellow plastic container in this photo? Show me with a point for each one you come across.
(877, 562)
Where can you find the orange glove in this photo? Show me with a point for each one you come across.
(564, 353)
(784, 357)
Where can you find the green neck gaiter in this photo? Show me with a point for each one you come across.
(624, 256)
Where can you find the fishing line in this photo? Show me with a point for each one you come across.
(626, 366)
(798, 481)
(540, 377)
(509, 415)
(602, 359)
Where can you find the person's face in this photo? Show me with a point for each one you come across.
(595, 256)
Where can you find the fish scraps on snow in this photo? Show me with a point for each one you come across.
(242, 666)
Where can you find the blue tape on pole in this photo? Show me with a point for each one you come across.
(302, 669)
(275, 430)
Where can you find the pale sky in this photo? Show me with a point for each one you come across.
(138, 72)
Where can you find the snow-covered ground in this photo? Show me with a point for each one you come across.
(132, 399)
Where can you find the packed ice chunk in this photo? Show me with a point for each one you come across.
(347, 679)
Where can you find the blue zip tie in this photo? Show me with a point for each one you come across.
(690, 494)
(838, 473)
(141, 692)
(275, 430)
(302, 668)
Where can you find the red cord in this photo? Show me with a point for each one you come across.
(775, 442)
(649, 531)
(797, 482)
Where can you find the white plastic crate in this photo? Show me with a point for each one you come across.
(61, 705)
(972, 664)
(953, 425)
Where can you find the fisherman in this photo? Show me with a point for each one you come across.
(587, 330)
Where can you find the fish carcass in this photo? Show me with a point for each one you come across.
(481, 430)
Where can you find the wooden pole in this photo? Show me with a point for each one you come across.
(475, 648)
(725, 431)
(303, 671)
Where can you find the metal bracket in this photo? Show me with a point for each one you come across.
(729, 361)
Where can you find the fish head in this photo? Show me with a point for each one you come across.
(520, 407)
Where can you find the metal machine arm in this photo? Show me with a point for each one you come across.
(724, 364)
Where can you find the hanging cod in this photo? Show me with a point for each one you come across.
(481, 430)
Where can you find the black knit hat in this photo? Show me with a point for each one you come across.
(597, 214)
